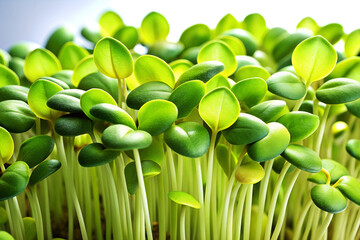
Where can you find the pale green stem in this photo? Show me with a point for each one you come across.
(321, 129)
(201, 199)
(239, 211)
(355, 228)
(143, 193)
(120, 93)
(209, 184)
(273, 201)
(37, 209)
(95, 193)
(262, 196)
(324, 226)
(180, 171)
(301, 219)
(299, 102)
(281, 217)
(229, 227)
(182, 223)
(309, 222)
(247, 218)
(47, 210)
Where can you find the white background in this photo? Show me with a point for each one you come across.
(34, 19)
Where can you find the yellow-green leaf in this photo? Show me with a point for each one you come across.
(352, 43)
(7, 145)
(110, 22)
(82, 69)
(154, 27)
(8, 77)
(71, 54)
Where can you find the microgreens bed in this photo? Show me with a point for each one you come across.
(238, 132)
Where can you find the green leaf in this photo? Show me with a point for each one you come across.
(328, 198)
(269, 111)
(66, 101)
(314, 58)
(14, 180)
(250, 91)
(286, 44)
(112, 114)
(154, 27)
(191, 54)
(222, 153)
(128, 35)
(226, 23)
(256, 25)
(56, 81)
(217, 81)
(91, 33)
(100, 81)
(36, 149)
(189, 139)
(245, 37)
(251, 71)
(121, 137)
(149, 68)
(272, 145)
(247, 129)
(250, 173)
(339, 90)
(147, 92)
(331, 32)
(202, 71)
(235, 44)
(154, 152)
(303, 158)
(353, 148)
(195, 35)
(113, 59)
(16, 116)
(286, 85)
(3, 218)
(149, 169)
(308, 23)
(8, 77)
(14, 92)
(335, 169)
(71, 54)
(4, 57)
(39, 93)
(167, 51)
(85, 67)
(348, 68)
(95, 154)
(92, 97)
(183, 198)
(40, 63)
(179, 67)
(300, 124)
(350, 187)
(22, 49)
(352, 45)
(219, 109)
(110, 22)
(5, 236)
(217, 50)
(187, 96)
(30, 228)
(156, 116)
(73, 124)
(272, 37)
(44, 170)
(58, 38)
(64, 76)
(7, 145)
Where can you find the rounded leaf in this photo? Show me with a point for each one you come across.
(226, 23)
(189, 139)
(286, 85)
(30, 228)
(195, 35)
(14, 180)
(154, 152)
(179, 67)
(247, 129)
(73, 124)
(22, 49)
(44, 170)
(286, 44)
(128, 35)
(245, 37)
(354, 107)
(167, 51)
(71, 54)
(85, 67)
(335, 169)
(156, 116)
(14, 92)
(149, 169)
(113, 59)
(256, 25)
(350, 187)
(35, 150)
(183, 198)
(250, 91)
(58, 38)
(328, 198)
(66, 100)
(154, 27)
(339, 90)
(235, 44)
(250, 172)
(217, 50)
(91, 33)
(352, 46)
(149, 68)
(269, 111)
(222, 153)
(39, 93)
(121, 137)
(331, 32)
(112, 114)
(217, 81)
(147, 92)
(7, 145)
(187, 96)
(353, 148)
(95, 154)
(348, 68)
(303, 158)
(272, 145)
(314, 58)
(100, 81)
(308, 23)
(16, 116)
(5, 235)
(300, 124)
(219, 109)
(202, 71)
(92, 97)
(110, 22)
(251, 71)
(8, 76)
